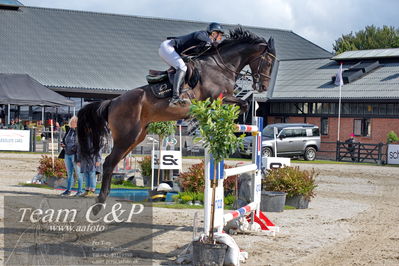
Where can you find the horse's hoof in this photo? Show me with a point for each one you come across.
(96, 209)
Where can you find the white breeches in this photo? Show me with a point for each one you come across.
(168, 54)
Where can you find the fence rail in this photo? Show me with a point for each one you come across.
(360, 152)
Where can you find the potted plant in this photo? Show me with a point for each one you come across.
(145, 167)
(54, 171)
(298, 184)
(217, 126)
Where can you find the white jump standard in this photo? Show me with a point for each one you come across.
(254, 169)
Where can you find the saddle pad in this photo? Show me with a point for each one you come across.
(155, 79)
(161, 90)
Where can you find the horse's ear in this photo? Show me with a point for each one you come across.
(270, 43)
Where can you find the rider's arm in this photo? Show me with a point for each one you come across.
(204, 37)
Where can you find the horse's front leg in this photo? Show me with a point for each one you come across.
(121, 148)
(234, 100)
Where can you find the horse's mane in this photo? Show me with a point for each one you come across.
(240, 35)
(237, 36)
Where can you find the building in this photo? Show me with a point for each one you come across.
(89, 56)
(304, 91)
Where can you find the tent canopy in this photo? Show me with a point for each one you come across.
(21, 89)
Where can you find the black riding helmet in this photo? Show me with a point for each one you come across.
(215, 27)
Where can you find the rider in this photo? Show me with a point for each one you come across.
(171, 49)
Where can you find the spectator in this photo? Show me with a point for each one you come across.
(88, 168)
(69, 143)
(351, 146)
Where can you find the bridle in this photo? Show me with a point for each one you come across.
(256, 76)
(262, 59)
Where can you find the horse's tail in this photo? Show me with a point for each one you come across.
(92, 127)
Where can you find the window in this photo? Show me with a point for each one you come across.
(324, 126)
(345, 108)
(288, 133)
(299, 132)
(382, 109)
(316, 132)
(362, 127)
(390, 109)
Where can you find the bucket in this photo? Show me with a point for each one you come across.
(297, 201)
(272, 201)
(205, 254)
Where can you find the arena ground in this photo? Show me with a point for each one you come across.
(352, 221)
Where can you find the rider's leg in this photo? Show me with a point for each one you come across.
(177, 83)
(168, 54)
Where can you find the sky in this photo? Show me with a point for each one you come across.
(319, 21)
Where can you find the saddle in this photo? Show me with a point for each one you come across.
(161, 82)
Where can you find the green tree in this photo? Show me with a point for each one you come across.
(371, 37)
(217, 126)
(162, 129)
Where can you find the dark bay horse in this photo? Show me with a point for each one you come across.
(128, 115)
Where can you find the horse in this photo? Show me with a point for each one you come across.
(128, 115)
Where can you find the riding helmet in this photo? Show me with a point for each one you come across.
(215, 27)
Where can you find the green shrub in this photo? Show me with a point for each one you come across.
(292, 181)
(46, 167)
(189, 196)
(229, 200)
(186, 197)
(200, 196)
(176, 198)
(392, 137)
(117, 181)
(194, 179)
(145, 166)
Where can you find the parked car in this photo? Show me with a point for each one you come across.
(292, 140)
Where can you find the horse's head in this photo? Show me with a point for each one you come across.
(262, 65)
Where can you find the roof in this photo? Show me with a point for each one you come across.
(21, 89)
(14, 3)
(368, 54)
(65, 49)
(307, 80)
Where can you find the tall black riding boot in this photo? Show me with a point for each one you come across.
(177, 83)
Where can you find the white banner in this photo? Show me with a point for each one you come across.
(14, 140)
(275, 162)
(393, 154)
(170, 160)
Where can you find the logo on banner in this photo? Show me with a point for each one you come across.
(169, 160)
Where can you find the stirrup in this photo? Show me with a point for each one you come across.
(175, 100)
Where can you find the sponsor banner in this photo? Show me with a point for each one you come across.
(169, 160)
(14, 140)
(275, 162)
(393, 154)
(53, 230)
